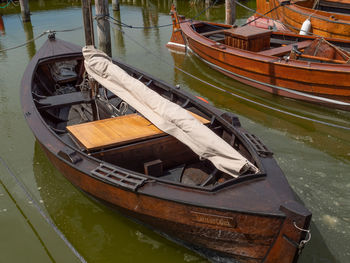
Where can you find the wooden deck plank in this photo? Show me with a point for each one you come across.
(116, 131)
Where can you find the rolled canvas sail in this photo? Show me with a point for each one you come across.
(167, 116)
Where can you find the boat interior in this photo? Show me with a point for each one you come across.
(88, 117)
(334, 6)
(282, 45)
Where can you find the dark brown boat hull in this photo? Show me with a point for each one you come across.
(251, 221)
(245, 237)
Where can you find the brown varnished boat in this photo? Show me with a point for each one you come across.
(302, 67)
(328, 18)
(89, 134)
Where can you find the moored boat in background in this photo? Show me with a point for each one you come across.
(302, 67)
(326, 18)
(106, 147)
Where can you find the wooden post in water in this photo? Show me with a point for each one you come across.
(25, 10)
(103, 28)
(115, 5)
(88, 24)
(230, 8)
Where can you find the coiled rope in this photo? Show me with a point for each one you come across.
(228, 92)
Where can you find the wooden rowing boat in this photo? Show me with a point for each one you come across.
(328, 18)
(302, 67)
(105, 147)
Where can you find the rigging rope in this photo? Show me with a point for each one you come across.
(276, 7)
(231, 93)
(39, 36)
(42, 213)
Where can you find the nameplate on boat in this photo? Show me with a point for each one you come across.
(214, 219)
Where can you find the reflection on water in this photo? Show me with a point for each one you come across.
(118, 35)
(2, 26)
(315, 157)
(28, 30)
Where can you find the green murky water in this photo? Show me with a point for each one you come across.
(315, 157)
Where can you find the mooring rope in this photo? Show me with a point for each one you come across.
(39, 36)
(264, 15)
(231, 93)
(42, 213)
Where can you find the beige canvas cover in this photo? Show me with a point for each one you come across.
(167, 116)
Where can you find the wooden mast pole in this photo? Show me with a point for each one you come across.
(103, 27)
(230, 10)
(90, 40)
(88, 24)
(25, 12)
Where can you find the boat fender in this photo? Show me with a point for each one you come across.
(306, 27)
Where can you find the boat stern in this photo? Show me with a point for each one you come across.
(177, 41)
(294, 234)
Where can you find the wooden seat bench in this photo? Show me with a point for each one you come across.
(56, 101)
(279, 51)
(116, 131)
(60, 100)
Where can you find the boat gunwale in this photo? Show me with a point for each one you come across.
(33, 117)
(261, 57)
(237, 132)
(319, 14)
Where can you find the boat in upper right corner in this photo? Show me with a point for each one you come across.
(326, 18)
(306, 68)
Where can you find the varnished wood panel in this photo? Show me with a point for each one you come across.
(116, 131)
